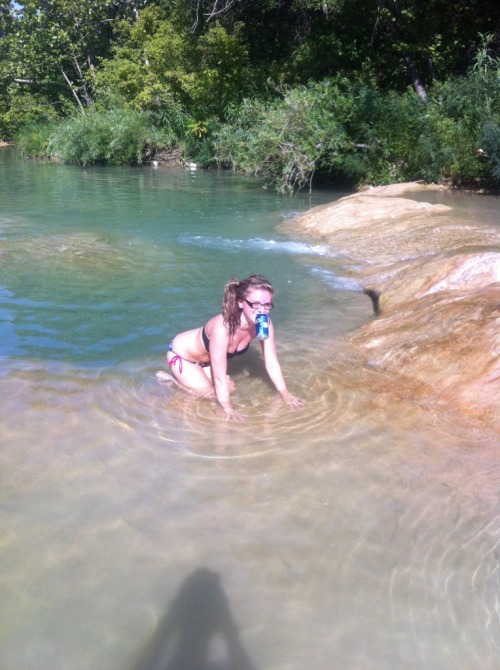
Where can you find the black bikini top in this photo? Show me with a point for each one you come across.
(206, 342)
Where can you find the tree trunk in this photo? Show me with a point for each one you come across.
(415, 77)
(73, 90)
(416, 80)
(86, 95)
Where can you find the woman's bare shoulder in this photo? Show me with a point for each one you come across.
(215, 327)
(216, 321)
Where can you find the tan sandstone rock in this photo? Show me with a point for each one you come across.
(438, 333)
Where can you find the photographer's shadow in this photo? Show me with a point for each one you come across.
(199, 614)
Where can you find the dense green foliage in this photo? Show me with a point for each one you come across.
(112, 137)
(282, 89)
(355, 131)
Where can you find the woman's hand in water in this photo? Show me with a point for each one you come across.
(236, 417)
(292, 400)
(232, 416)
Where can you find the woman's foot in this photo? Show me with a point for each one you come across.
(164, 378)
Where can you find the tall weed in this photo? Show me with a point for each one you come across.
(33, 139)
(112, 137)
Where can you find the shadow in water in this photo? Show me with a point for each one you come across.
(185, 636)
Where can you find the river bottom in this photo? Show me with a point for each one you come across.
(140, 530)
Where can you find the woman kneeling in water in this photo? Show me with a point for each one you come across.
(198, 357)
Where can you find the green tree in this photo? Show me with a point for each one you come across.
(393, 42)
(54, 45)
(155, 63)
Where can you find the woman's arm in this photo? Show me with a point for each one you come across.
(274, 371)
(219, 344)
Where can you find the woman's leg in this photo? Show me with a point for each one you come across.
(192, 377)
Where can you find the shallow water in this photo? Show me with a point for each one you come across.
(139, 529)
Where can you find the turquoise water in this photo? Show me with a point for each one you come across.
(104, 265)
(139, 529)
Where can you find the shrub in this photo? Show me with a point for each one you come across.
(283, 141)
(490, 145)
(112, 137)
(34, 138)
(22, 110)
(466, 118)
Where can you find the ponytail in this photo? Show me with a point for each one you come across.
(230, 310)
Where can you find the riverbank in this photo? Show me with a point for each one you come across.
(437, 337)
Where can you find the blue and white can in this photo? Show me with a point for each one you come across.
(262, 326)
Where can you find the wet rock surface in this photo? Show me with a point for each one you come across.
(437, 335)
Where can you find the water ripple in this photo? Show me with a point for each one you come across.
(198, 427)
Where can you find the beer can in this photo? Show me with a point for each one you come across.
(262, 326)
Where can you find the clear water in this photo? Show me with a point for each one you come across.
(139, 530)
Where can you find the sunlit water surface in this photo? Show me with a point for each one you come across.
(140, 531)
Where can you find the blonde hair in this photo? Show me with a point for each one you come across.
(234, 291)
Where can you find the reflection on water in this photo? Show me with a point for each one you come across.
(141, 530)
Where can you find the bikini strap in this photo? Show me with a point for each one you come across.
(205, 338)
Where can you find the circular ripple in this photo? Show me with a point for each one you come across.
(134, 398)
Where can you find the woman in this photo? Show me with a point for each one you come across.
(198, 358)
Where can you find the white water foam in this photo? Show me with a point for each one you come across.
(257, 243)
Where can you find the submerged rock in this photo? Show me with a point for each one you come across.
(438, 286)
